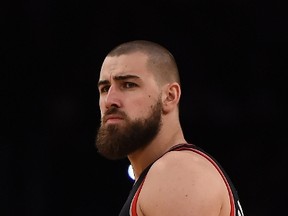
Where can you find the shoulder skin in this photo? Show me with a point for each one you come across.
(185, 184)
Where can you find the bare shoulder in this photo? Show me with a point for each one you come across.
(183, 183)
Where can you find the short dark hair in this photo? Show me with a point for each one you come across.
(160, 59)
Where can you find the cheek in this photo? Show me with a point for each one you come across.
(102, 107)
(142, 107)
(101, 103)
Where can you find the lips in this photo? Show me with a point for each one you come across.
(112, 117)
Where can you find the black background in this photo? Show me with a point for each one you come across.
(230, 58)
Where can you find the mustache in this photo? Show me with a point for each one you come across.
(115, 111)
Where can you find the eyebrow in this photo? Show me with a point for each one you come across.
(119, 77)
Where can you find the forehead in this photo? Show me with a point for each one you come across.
(127, 64)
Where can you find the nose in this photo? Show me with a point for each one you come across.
(112, 98)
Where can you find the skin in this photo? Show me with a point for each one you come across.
(172, 187)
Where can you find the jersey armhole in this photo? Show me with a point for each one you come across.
(133, 207)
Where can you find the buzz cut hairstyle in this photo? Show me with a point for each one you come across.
(160, 60)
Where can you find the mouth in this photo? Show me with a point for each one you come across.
(112, 119)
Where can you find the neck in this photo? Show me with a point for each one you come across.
(142, 158)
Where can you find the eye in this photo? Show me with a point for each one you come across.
(104, 89)
(129, 85)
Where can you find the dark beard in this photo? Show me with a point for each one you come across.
(115, 142)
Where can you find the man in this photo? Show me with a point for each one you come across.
(139, 88)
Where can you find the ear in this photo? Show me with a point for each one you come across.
(171, 96)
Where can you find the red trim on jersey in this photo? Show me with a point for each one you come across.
(133, 207)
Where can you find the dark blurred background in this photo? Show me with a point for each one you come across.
(230, 55)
